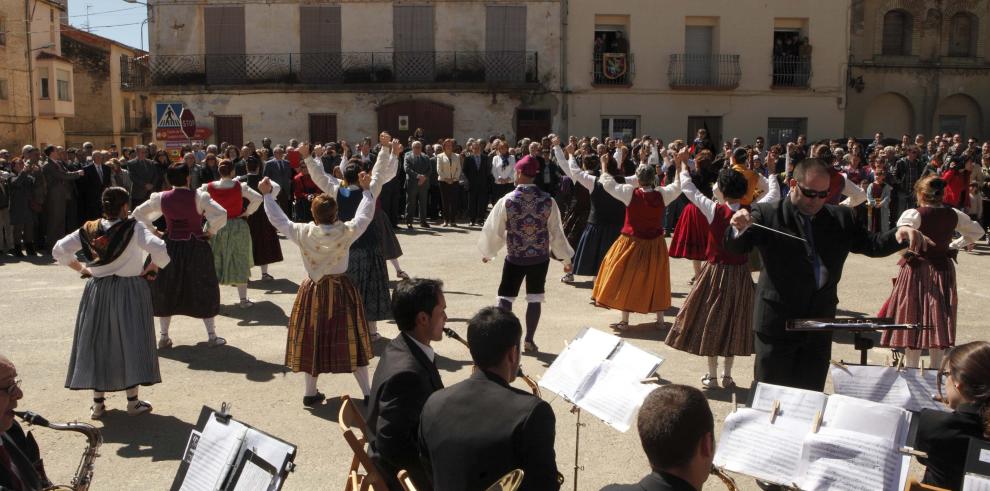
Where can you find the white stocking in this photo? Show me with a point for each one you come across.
(264, 269)
(310, 385)
(242, 292)
(713, 366)
(727, 368)
(163, 323)
(372, 327)
(936, 358)
(211, 327)
(912, 357)
(363, 380)
(625, 317)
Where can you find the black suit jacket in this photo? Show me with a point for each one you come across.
(403, 381)
(945, 437)
(787, 288)
(478, 179)
(474, 432)
(23, 453)
(657, 481)
(90, 188)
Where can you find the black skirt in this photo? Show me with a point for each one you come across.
(188, 285)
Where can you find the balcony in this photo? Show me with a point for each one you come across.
(791, 71)
(704, 72)
(612, 69)
(462, 68)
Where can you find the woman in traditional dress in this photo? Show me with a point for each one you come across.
(576, 217)
(188, 285)
(716, 318)
(232, 249)
(878, 202)
(113, 348)
(265, 247)
(328, 329)
(635, 274)
(925, 289)
(366, 263)
(303, 192)
(690, 238)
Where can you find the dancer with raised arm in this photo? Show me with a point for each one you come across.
(232, 249)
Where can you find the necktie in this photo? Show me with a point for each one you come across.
(6, 463)
(99, 172)
(816, 263)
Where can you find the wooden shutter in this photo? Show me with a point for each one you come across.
(413, 41)
(961, 35)
(505, 43)
(322, 128)
(230, 129)
(226, 44)
(319, 42)
(896, 33)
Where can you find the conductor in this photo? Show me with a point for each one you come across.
(800, 278)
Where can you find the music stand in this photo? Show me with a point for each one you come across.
(856, 326)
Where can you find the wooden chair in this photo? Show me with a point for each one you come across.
(914, 485)
(406, 481)
(509, 482)
(350, 419)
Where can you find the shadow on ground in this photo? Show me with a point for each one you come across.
(152, 435)
(225, 358)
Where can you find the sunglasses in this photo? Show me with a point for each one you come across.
(810, 193)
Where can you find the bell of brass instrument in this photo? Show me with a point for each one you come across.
(726, 479)
(533, 387)
(84, 474)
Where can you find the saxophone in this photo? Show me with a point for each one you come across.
(726, 479)
(84, 474)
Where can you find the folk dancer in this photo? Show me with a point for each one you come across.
(265, 247)
(232, 247)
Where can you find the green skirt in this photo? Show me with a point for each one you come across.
(232, 255)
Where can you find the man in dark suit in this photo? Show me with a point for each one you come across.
(478, 430)
(477, 169)
(404, 379)
(20, 460)
(800, 278)
(59, 186)
(279, 170)
(419, 170)
(96, 178)
(146, 176)
(677, 431)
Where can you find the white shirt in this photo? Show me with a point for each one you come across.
(151, 210)
(508, 173)
(707, 206)
(252, 196)
(129, 263)
(428, 351)
(492, 237)
(969, 230)
(624, 192)
(386, 166)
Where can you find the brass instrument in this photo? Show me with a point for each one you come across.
(84, 473)
(533, 387)
(726, 479)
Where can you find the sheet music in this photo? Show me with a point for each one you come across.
(749, 444)
(795, 404)
(636, 360)
(975, 482)
(214, 453)
(868, 418)
(254, 478)
(614, 394)
(850, 460)
(578, 361)
(271, 450)
(910, 389)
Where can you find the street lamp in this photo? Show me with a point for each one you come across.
(145, 21)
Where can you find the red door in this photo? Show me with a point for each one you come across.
(436, 120)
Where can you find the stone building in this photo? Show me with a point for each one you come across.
(36, 86)
(346, 70)
(740, 68)
(105, 112)
(918, 67)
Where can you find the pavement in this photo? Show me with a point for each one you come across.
(39, 301)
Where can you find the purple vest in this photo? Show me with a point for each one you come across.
(184, 221)
(527, 236)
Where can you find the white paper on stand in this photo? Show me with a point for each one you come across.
(976, 482)
(271, 450)
(214, 454)
(750, 445)
(254, 478)
(795, 404)
(578, 361)
(911, 389)
(850, 460)
(614, 395)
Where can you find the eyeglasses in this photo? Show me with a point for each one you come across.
(10, 389)
(940, 382)
(810, 193)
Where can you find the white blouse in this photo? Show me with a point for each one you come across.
(151, 210)
(129, 263)
(508, 173)
(970, 231)
(708, 205)
(624, 192)
(493, 233)
(253, 197)
(386, 166)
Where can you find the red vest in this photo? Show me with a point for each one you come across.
(230, 199)
(714, 252)
(644, 215)
(836, 183)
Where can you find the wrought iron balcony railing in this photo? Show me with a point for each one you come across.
(342, 68)
(612, 69)
(709, 72)
(791, 71)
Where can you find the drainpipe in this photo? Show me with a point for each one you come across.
(30, 63)
(564, 7)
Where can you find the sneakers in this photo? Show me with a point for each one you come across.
(709, 382)
(266, 277)
(216, 341)
(310, 401)
(567, 278)
(136, 407)
(246, 304)
(164, 342)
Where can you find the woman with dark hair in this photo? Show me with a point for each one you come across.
(303, 192)
(265, 247)
(113, 347)
(716, 318)
(232, 246)
(924, 292)
(964, 386)
(162, 160)
(690, 238)
(209, 171)
(576, 218)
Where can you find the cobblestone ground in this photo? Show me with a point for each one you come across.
(40, 299)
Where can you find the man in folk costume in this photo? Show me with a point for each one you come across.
(113, 347)
(188, 286)
(527, 222)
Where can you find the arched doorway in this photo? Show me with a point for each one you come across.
(890, 113)
(402, 118)
(958, 113)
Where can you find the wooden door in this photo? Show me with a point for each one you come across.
(532, 123)
(322, 128)
(698, 45)
(437, 120)
(229, 129)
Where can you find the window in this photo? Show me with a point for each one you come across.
(962, 35)
(610, 59)
(229, 129)
(897, 29)
(3, 31)
(44, 83)
(623, 127)
(533, 123)
(64, 91)
(783, 130)
(713, 130)
(791, 57)
(322, 128)
(3, 89)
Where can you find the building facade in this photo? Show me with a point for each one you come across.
(36, 84)
(105, 112)
(345, 70)
(918, 67)
(740, 68)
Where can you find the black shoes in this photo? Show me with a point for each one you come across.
(313, 400)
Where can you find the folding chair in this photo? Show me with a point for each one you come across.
(914, 485)
(406, 481)
(350, 419)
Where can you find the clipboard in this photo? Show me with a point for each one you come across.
(244, 454)
(254, 461)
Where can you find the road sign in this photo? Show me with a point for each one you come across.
(167, 114)
(175, 134)
(188, 122)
